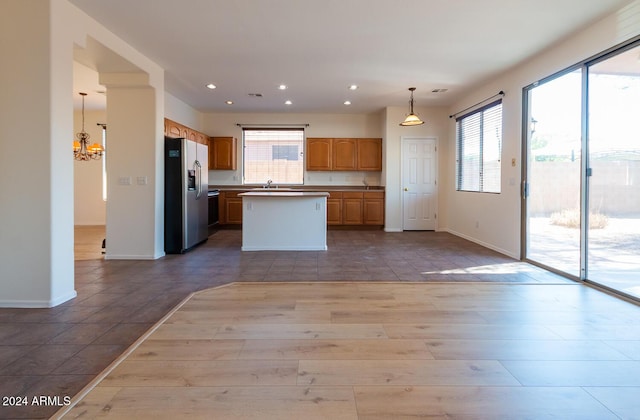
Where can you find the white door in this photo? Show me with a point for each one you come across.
(419, 184)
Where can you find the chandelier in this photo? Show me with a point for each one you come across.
(82, 150)
(412, 119)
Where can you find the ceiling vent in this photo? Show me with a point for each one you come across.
(439, 90)
(256, 95)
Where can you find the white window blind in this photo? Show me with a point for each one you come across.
(273, 154)
(479, 149)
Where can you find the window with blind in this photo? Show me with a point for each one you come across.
(479, 149)
(273, 154)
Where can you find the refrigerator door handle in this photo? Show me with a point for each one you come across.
(198, 167)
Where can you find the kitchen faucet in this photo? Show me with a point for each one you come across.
(268, 183)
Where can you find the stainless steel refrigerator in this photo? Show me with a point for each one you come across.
(186, 182)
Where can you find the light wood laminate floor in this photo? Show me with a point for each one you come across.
(380, 350)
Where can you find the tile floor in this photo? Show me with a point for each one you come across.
(57, 351)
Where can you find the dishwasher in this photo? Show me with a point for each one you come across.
(214, 217)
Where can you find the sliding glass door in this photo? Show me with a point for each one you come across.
(581, 213)
(614, 164)
(553, 173)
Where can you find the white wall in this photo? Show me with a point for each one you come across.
(320, 125)
(498, 215)
(178, 111)
(36, 186)
(89, 208)
(136, 155)
(36, 224)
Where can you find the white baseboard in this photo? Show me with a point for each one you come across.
(484, 244)
(37, 303)
(131, 257)
(393, 229)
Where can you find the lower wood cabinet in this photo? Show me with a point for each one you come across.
(373, 208)
(230, 208)
(344, 208)
(352, 208)
(334, 208)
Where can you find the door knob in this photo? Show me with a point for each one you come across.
(406, 189)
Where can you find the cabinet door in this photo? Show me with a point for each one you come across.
(222, 153)
(192, 135)
(233, 210)
(373, 211)
(334, 208)
(352, 208)
(202, 138)
(344, 155)
(369, 154)
(351, 211)
(318, 154)
(173, 129)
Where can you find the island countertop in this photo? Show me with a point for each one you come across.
(284, 194)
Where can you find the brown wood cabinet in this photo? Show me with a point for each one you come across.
(344, 154)
(334, 208)
(352, 208)
(174, 129)
(177, 130)
(318, 154)
(369, 154)
(344, 208)
(373, 208)
(230, 211)
(223, 153)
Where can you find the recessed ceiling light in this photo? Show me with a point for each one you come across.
(229, 102)
(282, 87)
(347, 102)
(353, 87)
(288, 102)
(211, 86)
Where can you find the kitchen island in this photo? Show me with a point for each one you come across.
(284, 220)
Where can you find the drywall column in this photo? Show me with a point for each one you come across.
(134, 168)
(36, 163)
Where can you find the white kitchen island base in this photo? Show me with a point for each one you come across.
(284, 221)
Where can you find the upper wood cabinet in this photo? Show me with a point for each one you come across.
(344, 154)
(318, 154)
(223, 153)
(369, 154)
(175, 130)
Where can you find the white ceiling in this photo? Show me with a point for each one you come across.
(319, 48)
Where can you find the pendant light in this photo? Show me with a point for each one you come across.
(81, 148)
(412, 119)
